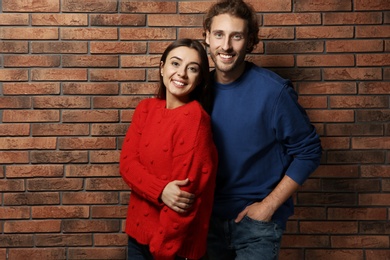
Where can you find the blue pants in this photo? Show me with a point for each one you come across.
(247, 240)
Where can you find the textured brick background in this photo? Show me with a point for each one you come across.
(72, 72)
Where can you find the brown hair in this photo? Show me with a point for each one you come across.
(239, 9)
(202, 92)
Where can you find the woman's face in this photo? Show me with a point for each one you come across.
(181, 74)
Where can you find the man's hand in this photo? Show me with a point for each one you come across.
(258, 211)
(176, 199)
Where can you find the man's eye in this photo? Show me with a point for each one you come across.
(218, 35)
(237, 37)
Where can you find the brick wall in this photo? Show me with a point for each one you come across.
(73, 71)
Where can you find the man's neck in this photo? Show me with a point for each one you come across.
(229, 76)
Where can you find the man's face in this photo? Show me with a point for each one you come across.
(227, 39)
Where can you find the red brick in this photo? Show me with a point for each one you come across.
(32, 226)
(96, 184)
(92, 170)
(294, 47)
(86, 143)
(62, 102)
(118, 20)
(352, 18)
(352, 185)
(118, 47)
(58, 74)
(89, 6)
(90, 61)
(300, 74)
(104, 156)
(373, 31)
(160, 46)
(193, 33)
(30, 116)
(113, 253)
(371, 143)
(37, 253)
(31, 6)
(31, 198)
(16, 240)
(313, 102)
(59, 212)
(347, 157)
(110, 239)
(90, 88)
(352, 74)
(325, 60)
(374, 171)
(109, 129)
(175, 20)
(14, 157)
(14, 19)
(362, 5)
(117, 74)
(59, 47)
(372, 115)
(147, 33)
(62, 129)
(373, 60)
(354, 129)
(327, 32)
(292, 241)
(357, 213)
(271, 6)
(54, 184)
(70, 116)
(13, 47)
(31, 171)
(60, 19)
(13, 75)
(360, 241)
(15, 143)
(374, 88)
(377, 254)
(292, 19)
(140, 61)
(109, 212)
(59, 157)
(358, 102)
(289, 254)
(276, 33)
(138, 88)
(374, 227)
(322, 5)
(15, 102)
(338, 143)
(327, 227)
(194, 6)
(27, 88)
(327, 88)
(354, 46)
(331, 115)
(77, 226)
(327, 254)
(16, 33)
(329, 198)
(272, 60)
(14, 213)
(116, 102)
(309, 213)
(129, 6)
(89, 34)
(63, 240)
(336, 171)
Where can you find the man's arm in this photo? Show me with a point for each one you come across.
(265, 209)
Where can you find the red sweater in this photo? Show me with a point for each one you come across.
(163, 145)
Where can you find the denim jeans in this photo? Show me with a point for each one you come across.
(136, 251)
(247, 240)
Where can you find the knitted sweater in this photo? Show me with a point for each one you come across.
(262, 134)
(160, 146)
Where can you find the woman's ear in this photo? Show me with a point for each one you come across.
(161, 68)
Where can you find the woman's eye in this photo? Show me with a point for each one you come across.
(175, 64)
(194, 69)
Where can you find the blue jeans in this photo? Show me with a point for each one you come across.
(247, 240)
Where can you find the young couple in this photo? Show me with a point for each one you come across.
(189, 201)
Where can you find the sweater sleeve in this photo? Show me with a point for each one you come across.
(298, 136)
(199, 165)
(133, 172)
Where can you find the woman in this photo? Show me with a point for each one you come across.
(169, 151)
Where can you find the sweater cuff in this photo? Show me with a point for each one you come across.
(154, 190)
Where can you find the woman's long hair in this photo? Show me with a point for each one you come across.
(202, 92)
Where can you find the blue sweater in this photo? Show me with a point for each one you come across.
(262, 134)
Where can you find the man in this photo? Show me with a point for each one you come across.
(266, 144)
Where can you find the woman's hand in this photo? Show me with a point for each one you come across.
(177, 199)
